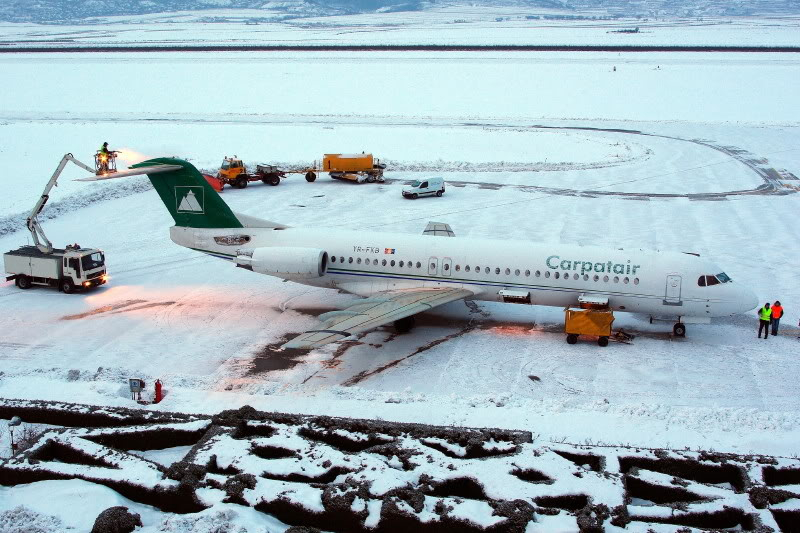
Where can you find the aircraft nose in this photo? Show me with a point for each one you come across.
(747, 300)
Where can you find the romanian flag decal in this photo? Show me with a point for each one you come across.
(388, 250)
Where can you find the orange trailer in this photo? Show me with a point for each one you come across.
(354, 167)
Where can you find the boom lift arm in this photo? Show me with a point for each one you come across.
(33, 222)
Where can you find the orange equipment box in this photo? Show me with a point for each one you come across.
(588, 322)
(347, 162)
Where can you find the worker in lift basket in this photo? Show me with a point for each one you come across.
(105, 155)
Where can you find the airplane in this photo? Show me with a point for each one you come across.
(401, 275)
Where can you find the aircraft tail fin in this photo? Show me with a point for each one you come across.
(192, 201)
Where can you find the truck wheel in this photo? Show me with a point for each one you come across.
(272, 179)
(679, 330)
(240, 183)
(572, 338)
(602, 341)
(310, 177)
(439, 193)
(67, 287)
(23, 282)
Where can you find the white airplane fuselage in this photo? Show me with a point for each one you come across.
(660, 284)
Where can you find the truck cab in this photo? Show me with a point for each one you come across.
(428, 187)
(70, 269)
(230, 168)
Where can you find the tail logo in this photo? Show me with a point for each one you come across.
(190, 199)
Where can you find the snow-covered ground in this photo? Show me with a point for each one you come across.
(440, 24)
(528, 147)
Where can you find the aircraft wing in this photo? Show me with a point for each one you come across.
(372, 312)
(438, 229)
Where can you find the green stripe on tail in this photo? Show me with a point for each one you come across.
(189, 198)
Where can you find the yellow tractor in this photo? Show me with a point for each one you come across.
(234, 173)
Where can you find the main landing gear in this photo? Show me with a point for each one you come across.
(404, 325)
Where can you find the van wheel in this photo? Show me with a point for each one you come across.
(439, 193)
(572, 338)
(240, 183)
(602, 341)
(414, 196)
(67, 287)
(23, 282)
(310, 177)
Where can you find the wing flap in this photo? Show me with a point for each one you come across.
(367, 314)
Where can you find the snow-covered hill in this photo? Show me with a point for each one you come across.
(64, 11)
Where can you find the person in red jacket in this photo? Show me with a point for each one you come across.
(775, 318)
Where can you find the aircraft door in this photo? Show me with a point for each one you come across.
(433, 266)
(447, 266)
(672, 294)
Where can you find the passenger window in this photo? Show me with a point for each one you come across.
(527, 273)
(558, 275)
(333, 259)
(701, 281)
(358, 260)
(497, 271)
(538, 274)
(635, 281)
(616, 279)
(596, 277)
(446, 267)
(516, 272)
(401, 264)
(487, 270)
(605, 279)
(508, 271)
(350, 260)
(586, 277)
(626, 280)
(547, 274)
(466, 268)
(477, 269)
(419, 265)
(383, 263)
(458, 268)
(575, 276)
(392, 263)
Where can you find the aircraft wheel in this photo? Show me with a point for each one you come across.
(404, 325)
(602, 341)
(679, 330)
(23, 282)
(67, 287)
(310, 177)
(572, 338)
(439, 193)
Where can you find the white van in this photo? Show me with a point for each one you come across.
(427, 187)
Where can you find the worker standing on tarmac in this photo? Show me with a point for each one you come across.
(764, 318)
(777, 313)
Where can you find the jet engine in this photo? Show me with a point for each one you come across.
(285, 262)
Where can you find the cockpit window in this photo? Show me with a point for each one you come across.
(711, 280)
(723, 277)
(701, 281)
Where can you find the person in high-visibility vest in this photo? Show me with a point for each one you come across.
(764, 318)
(777, 313)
